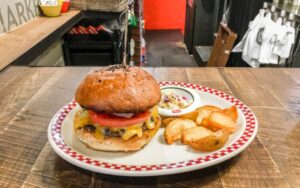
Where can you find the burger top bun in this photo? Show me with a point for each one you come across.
(118, 89)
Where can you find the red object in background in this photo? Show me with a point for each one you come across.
(164, 14)
(92, 30)
(65, 6)
(73, 31)
(100, 28)
(82, 30)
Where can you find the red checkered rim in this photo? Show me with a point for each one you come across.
(240, 142)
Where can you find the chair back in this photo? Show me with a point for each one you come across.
(222, 47)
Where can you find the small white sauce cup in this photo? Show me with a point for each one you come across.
(192, 96)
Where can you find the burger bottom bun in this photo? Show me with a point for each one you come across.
(117, 143)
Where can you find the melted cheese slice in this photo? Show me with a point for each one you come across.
(82, 118)
(133, 130)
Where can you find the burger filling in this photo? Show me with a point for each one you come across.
(116, 125)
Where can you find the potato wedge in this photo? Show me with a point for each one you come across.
(174, 129)
(195, 133)
(205, 122)
(211, 142)
(192, 115)
(204, 112)
(219, 120)
(231, 112)
(166, 121)
(222, 136)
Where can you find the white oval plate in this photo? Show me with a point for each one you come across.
(156, 158)
(191, 94)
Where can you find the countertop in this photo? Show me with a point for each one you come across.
(31, 96)
(25, 41)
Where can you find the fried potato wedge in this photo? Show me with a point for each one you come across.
(174, 129)
(205, 122)
(204, 112)
(210, 141)
(192, 115)
(231, 112)
(195, 133)
(219, 120)
(166, 121)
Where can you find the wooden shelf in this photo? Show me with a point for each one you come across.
(24, 43)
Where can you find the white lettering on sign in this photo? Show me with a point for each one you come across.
(14, 13)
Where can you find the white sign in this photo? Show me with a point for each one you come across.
(14, 13)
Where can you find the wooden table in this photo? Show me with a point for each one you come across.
(31, 96)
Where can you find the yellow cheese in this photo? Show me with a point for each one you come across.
(82, 118)
(154, 113)
(150, 124)
(133, 130)
(98, 133)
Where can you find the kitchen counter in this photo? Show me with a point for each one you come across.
(31, 96)
(29, 40)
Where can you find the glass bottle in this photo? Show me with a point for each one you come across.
(266, 7)
(276, 2)
(291, 19)
(281, 2)
(283, 16)
(274, 13)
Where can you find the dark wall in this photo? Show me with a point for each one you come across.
(202, 20)
(241, 13)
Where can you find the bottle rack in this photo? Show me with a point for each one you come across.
(294, 60)
(286, 12)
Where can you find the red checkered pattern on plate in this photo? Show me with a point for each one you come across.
(249, 131)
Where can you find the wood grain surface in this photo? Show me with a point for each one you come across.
(31, 96)
(16, 42)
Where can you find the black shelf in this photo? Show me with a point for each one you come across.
(101, 15)
(90, 45)
(93, 49)
(91, 59)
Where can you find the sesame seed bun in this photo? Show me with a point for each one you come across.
(118, 89)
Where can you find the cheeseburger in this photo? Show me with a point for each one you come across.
(118, 109)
